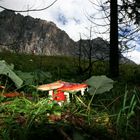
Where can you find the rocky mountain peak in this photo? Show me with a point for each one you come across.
(29, 35)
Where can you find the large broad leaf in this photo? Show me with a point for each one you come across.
(99, 84)
(30, 78)
(27, 77)
(41, 75)
(7, 70)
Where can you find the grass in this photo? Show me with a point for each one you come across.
(23, 117)
(113, 115)
(26, 118)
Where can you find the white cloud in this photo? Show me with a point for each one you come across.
(134, 56)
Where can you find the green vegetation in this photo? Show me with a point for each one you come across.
(105, 112)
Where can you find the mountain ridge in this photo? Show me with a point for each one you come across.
(25, 34)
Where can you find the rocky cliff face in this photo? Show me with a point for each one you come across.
(28, 35)
(98, 49)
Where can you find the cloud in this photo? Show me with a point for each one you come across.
(61, 18)
(134, 56)
(77, 21)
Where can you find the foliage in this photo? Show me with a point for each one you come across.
(59, 66)
(130, 73)
(23, 117)
(99, 84)
(100, 68)
(7, 70)
(23, 114)
(101, 115)
(126, 116)
(33, 78)
(126, 112)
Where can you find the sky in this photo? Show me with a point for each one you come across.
(72, 16)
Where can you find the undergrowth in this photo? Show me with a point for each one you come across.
(113, 115)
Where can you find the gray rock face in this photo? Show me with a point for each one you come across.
(28, 35)
(98, 49)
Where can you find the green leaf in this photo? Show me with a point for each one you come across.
(27, 77)
(7, 70)
(100, 84)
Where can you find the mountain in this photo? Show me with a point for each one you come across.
(28, 35)
(24, 34)
(98, 49)
(98, 45)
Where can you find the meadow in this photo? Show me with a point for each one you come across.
(113, 114)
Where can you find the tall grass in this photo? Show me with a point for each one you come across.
(126, 112)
